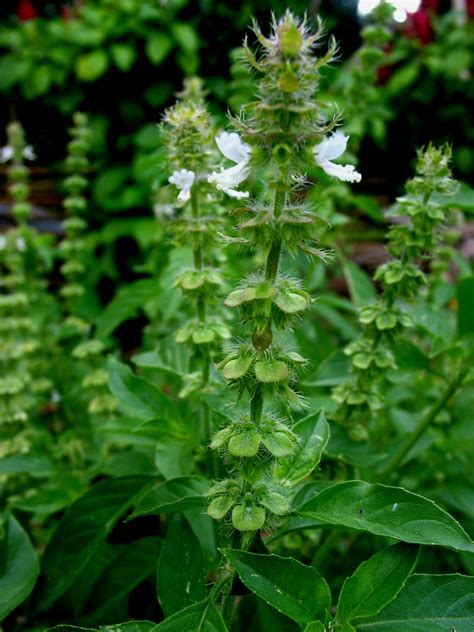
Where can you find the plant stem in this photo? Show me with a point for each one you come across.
(424, 424)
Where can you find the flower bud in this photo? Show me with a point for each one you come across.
(248, 517)
(290, 38)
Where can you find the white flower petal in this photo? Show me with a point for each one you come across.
(183, 180)
(6, 153)
(232, 147)
(331, 147)
(3, 242)
(236, 194)
(29, 153)
(346, 173)
(227, 179)
(20, 244)
(184, 195)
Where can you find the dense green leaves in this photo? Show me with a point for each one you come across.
(465, 297)
(376, 582)
(388, 511)
(292, 588)
(83, 528)
(109, 596)
(136, 396)
(438, 603)
(201, 617)
(313, 435)
(180, 573)
(176, 494)
(19, 566)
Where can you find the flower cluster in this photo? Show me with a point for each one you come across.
(187, 132)
(278, 136)
(88, 351)
(412, 243)
(18, 330)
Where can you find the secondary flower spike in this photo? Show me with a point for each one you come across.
(183, 180)
(232, 147)
(328, 150)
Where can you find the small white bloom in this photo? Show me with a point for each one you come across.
(232, 147)
(328, 150)
(29, 153)
(20, 244)
(6, 153)
(3, 242)
(163, 211)
(184, 180)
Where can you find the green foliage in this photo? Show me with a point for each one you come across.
(195, 491)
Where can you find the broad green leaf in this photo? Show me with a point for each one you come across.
(126, 304)
(292, 588)
(84, 526)
(176, 494)
(202, 617)
(181, 573)
(428, 603)
(376, 582)
(360, 285)
(313, 435)
(108, 599)
(123, 55)
(137, 397)
(157, 47)
(36, 465)
(315, 626)
(388, 511)
(465, 298)
(91, 66)
(19, 567)
(173, 453)
(128, 626)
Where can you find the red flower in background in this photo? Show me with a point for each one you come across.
(418, 25)
(26, 11)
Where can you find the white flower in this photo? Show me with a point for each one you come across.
(328, 150)
(6, 153)
(3, 242)
(20, 244)
(232, 147)
(163, 211)
(184, 180)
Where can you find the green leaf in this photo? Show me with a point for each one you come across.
(428, 603)
(157, 47)
(176, 494)
(91, 66)
(126, 304)
(186, 37)
(465, 297)
(360, 285)
(137, 397)
(84, 526)
(376, 582)
(290, 587)
(387, 511)
(202, 617)
(128, 626)
(124, 56)
(108, 600)
(19, 567)
(313, 435)
(181, 573)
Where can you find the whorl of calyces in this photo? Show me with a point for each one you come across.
(282, 127)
